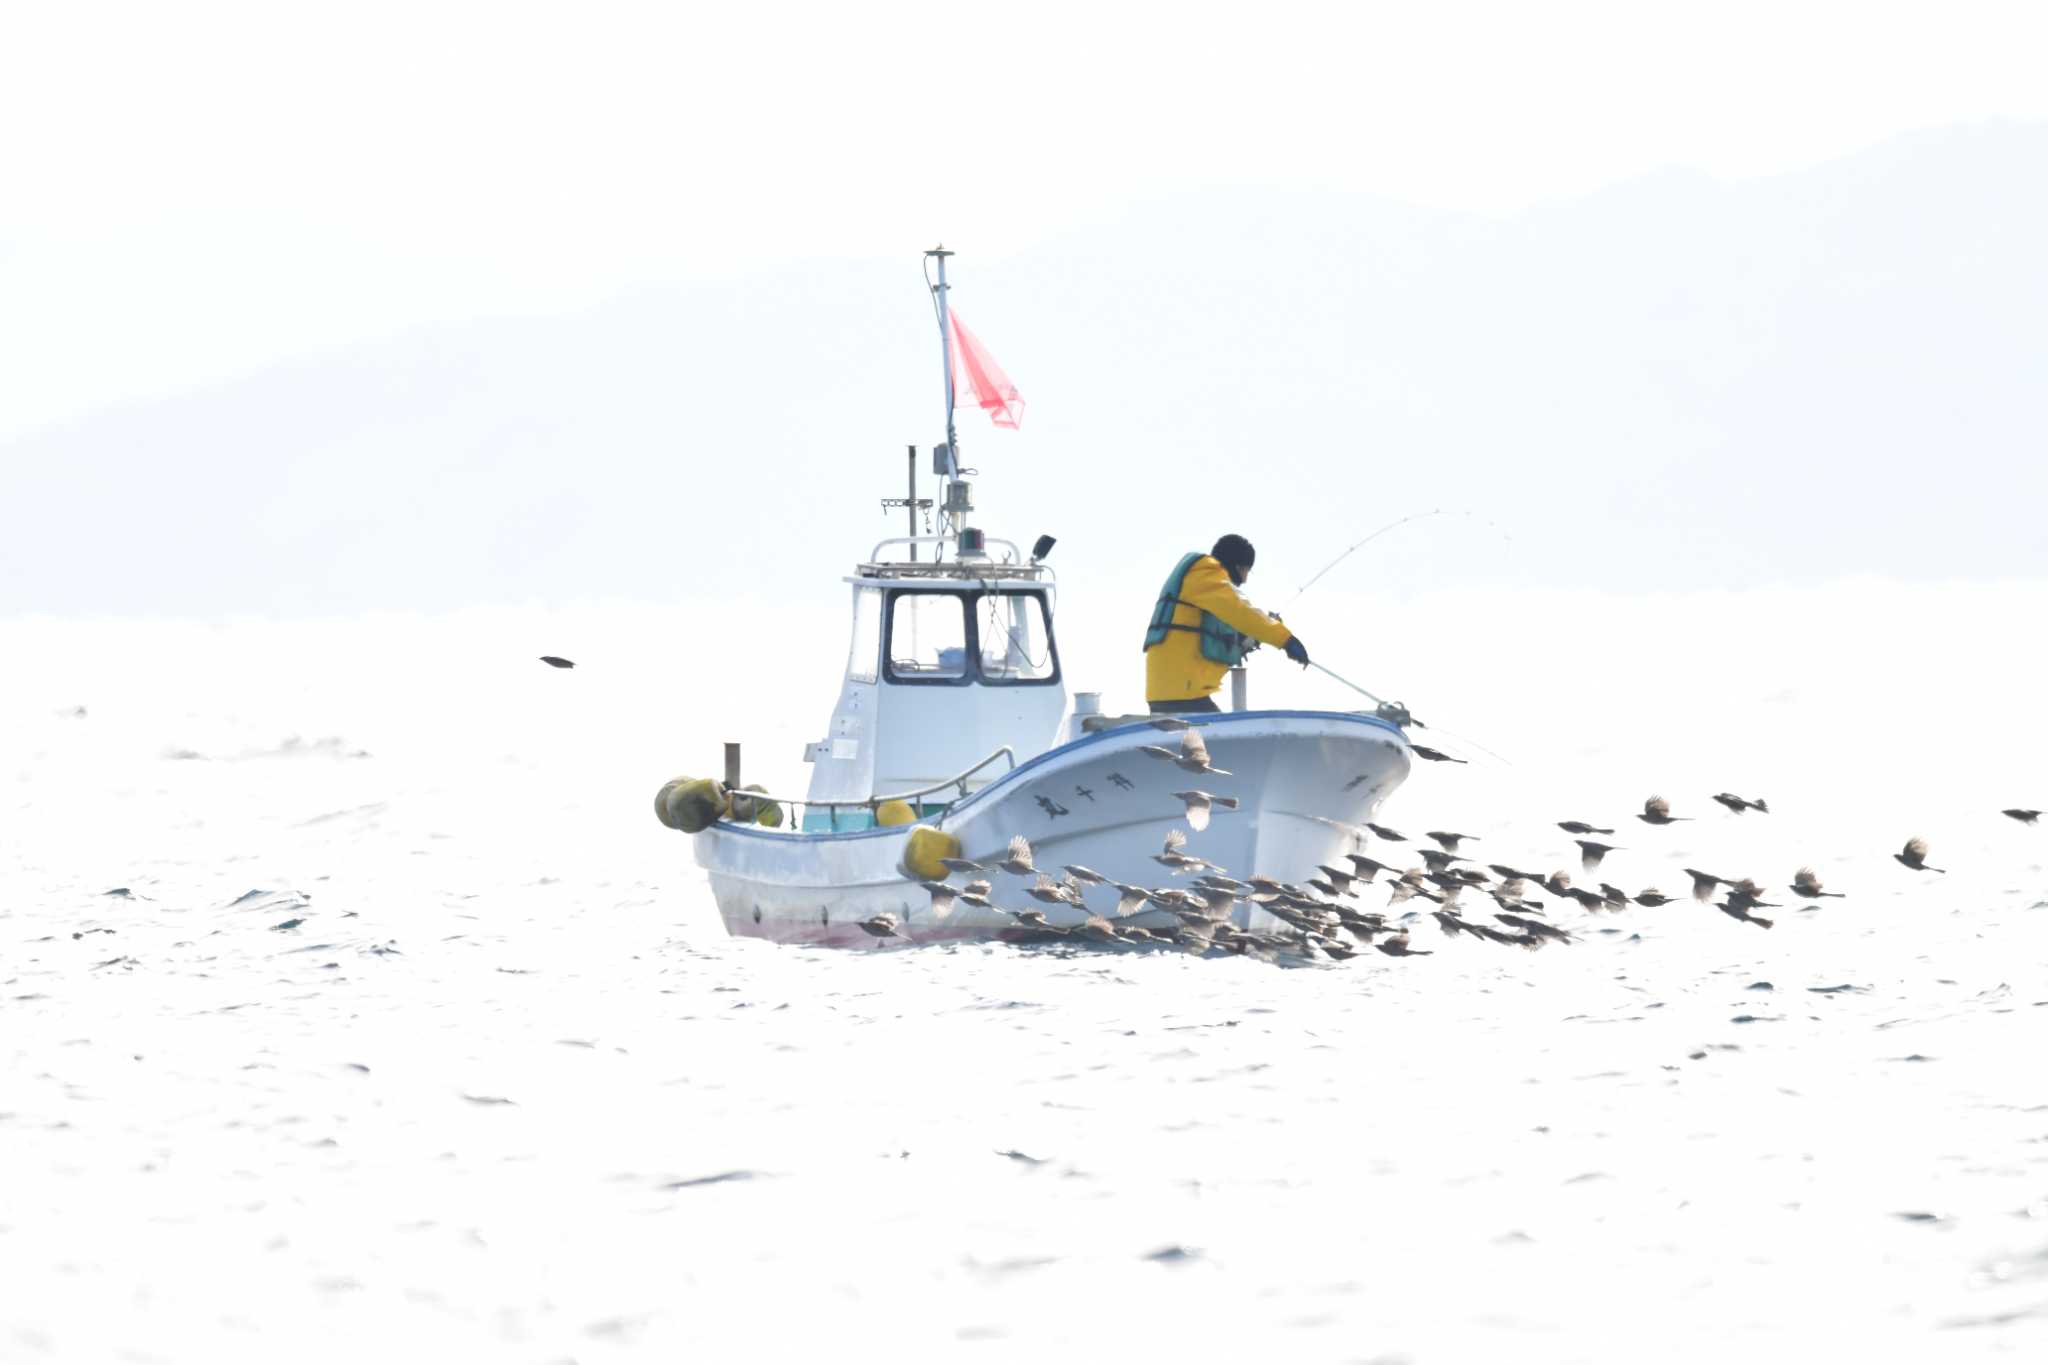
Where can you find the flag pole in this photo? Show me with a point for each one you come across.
(945, 312)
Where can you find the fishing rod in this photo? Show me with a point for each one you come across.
(1399, 715)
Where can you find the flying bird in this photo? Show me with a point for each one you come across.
(1396, 945)
(962, 865)
(1086, 876)
(1433, 755)
(1536, 929)
(1017, 862)
(1737, 908)
(1340, 882)
(1392, 836)
(1052, 892)
(1177, 862)
(1193, 755)
(1806, 882)
(1738, 804)
(1198, 804)
(1657, 811)
(1703, 884)
(556, 661)
(882, 925)
(942, 898)
(1447, 840)
(2025, 817)
(1364, 869)
(1581, 827)
(1652, 897)
(1437, 859)
(1914, 855)
(1591, 851)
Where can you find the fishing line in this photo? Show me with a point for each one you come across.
(1392, 525)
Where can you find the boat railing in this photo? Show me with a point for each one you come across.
(956, 783)
(875, 557)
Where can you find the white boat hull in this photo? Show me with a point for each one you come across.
(1306, 780)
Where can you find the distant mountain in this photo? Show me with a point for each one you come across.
(1673, 383)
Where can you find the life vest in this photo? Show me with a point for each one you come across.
(1220, 644)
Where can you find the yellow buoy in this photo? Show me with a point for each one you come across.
(695, 804)
(661, 800)
(923, 850)
(742, 807)
(895, 813)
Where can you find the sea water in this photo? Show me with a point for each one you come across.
(354, 1004)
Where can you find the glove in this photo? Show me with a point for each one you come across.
(1297, 651)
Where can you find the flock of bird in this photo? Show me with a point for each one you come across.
(1321, 915)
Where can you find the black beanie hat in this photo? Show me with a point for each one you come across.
(1234, 552)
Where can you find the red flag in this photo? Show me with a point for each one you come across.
(979, 380)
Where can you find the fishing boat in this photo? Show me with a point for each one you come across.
(954, 735)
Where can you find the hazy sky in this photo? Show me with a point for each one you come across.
(194, 191)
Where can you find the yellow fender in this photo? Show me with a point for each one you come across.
(924, 848)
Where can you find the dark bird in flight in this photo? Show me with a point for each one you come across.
(1364, 869)
(1396, 945)
(554, 661)
(1591, 851)
(1581, 827)
(1738, 804)
(1392, 836)
(1653, 898)
(1536, 929)
(1437, 860)
(1914, 855)
(1739, 909)
(1448, 840)
(1703, 884)
(1433, 755)
(1614, 896)
(2025, 817)
(1806, 882)
(882, 925)
(1340, 882)
(1657, 811)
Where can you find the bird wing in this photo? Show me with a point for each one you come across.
(1192, 746)
(1656, 805)
(1020, 850)
(1916, 849)
(1175, 841)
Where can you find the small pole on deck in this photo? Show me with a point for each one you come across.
(1237, 692)
(910, 506)
(732, 767)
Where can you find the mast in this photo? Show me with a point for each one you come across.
(945, 312)
(958, 499)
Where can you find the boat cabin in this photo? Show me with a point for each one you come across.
(953, 661)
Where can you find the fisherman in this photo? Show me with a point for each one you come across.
(1202, 628)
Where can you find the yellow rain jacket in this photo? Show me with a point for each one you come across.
(1175, 668)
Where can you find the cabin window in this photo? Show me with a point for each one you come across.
(928, 637)
(1016, 638)
(867, 635)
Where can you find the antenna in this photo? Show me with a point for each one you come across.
(911, 505)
